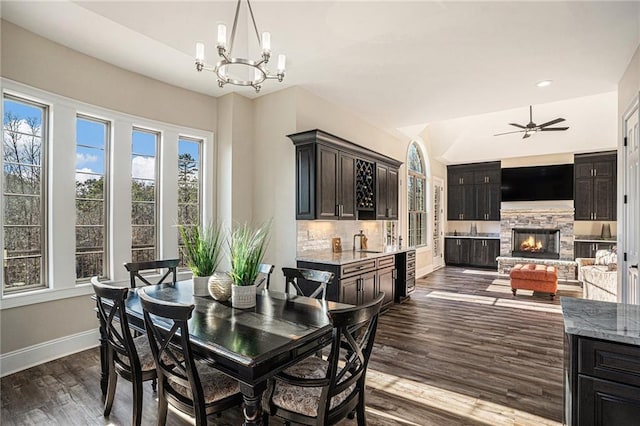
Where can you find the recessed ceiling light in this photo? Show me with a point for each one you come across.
(544, 83)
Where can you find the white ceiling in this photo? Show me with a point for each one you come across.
(395, 63)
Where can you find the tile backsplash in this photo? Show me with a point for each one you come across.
(317, 234)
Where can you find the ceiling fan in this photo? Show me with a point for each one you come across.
(532, 128)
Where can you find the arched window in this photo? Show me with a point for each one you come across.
(417, 196)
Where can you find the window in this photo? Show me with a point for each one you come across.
(417, 188)
(189, 198)
(144, 196)
(91, 197)
(24, 220)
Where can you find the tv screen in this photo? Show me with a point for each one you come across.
(537, 183)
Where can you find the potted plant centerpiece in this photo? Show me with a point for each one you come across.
(247, 246)
(202, 249)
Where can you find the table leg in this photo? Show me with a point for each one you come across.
(252, 407)
(104, 360)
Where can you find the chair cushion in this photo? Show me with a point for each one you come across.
(215, 384)
(305, 400)
(144, 353)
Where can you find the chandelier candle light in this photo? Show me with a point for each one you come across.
(227, 61)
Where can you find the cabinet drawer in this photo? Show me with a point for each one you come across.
(411, 265)
(358, 267)
(411, 275)
(608, 360)
(383, 262)
(411, 255)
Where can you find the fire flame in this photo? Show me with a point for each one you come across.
(531, 245)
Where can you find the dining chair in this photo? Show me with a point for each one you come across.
(127, 357)
(319, 391)
(136, 268)
(314, 282)
(264, 271)
(191, 385)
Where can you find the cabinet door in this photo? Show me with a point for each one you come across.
(478, 255)
(602, 402)
(494, 198)
(305, 190)
(582, 169)
(382, 191)
(604, 198)
(465, 251)
(349, 290)
(454, 202)
(392, 200)
(583, 250)
(326, 183)
(451, 251)
(386, 283)
(482, 201)
(583, 198)
(604, 167)
(368, 287)
(347, 187)
(493, 250)
(468, 202)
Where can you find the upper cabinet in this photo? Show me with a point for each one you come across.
(473, 191)
(337, 179)
(595, 186)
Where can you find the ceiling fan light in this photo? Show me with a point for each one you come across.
(544, 83)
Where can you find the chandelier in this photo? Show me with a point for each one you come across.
(229, 68)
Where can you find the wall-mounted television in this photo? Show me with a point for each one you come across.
(554, 182)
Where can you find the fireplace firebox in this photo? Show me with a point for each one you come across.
(535, 243)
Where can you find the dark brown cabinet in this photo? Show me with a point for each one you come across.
(484, 252)
(457, 251)
(478, 252)
(602, 382)
(595, 186)
(336, 196)
(585, 249)
(473, 191)
(335, 179)
(359, 282)
(386, 192)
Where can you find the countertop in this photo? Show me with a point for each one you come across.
(347, 256)
(615, 322)
(480, 235)
(593, 239)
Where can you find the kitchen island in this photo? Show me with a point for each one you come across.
(601, 362)
(360, 275)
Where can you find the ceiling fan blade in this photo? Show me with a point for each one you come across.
(518, 125)
(549, 123)
(507, 133)
(548, 129)
(526, 135)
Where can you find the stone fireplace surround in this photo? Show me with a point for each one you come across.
(544, 218)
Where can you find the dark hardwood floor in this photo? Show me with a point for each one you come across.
(461, 351)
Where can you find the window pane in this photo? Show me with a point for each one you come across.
(24, 218)
(22, 179)
(91, 199)
(189, 206)
(411, 188)
(144, 187)
(416, 194)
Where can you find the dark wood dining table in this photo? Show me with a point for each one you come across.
(250, 345)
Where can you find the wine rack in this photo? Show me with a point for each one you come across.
(365, 195)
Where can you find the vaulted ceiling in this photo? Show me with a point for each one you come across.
(395, 63)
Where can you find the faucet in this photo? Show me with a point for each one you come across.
(361, 236)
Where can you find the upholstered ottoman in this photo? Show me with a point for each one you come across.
(534, 277)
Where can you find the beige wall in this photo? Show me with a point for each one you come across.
(32, 324)
(38, 62)
(629, 86)
(32, 60)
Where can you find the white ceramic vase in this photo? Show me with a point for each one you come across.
(220, 286)
(243, 296)
(201, 286)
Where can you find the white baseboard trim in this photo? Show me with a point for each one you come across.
(424, 271)
(28, 357)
